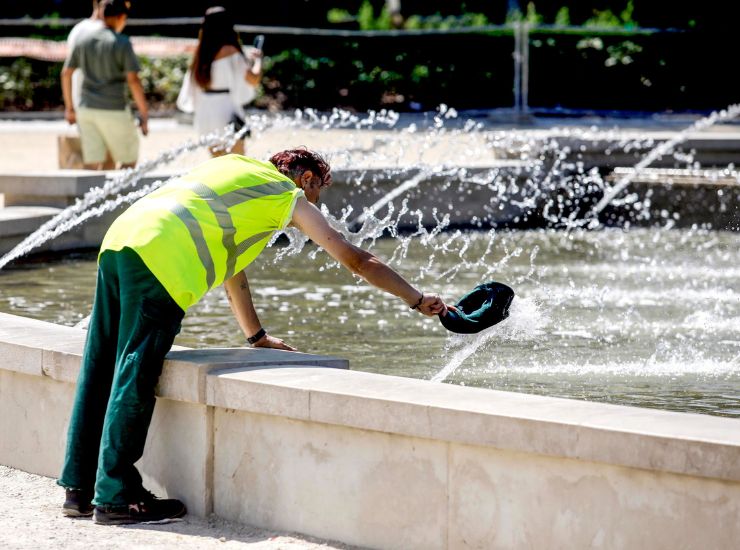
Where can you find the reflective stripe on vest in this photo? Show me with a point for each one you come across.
(201, 228)
(219, 205)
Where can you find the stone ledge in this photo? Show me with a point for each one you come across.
(725, 179)
(57, 183)
(20, 337)
(24, 220)
(286, 384)
(184, 374)
(45, 349)
(625, 436)
(433, 465)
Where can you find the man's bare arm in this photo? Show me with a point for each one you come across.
(309, 220)
(240, 300)
(69, 109)
(137, 91)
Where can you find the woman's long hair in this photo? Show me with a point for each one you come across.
(217, 31)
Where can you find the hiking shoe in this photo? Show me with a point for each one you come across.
(77, 504)
(149, 510)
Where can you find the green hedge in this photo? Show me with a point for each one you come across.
(29, 84)
(656, 72)
(359, 77)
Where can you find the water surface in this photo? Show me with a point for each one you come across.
(643, 317)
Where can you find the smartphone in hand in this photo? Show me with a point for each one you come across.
(259, 42)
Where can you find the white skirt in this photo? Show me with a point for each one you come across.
(213, 112)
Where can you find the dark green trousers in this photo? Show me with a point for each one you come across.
(133, 324)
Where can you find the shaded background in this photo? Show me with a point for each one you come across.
(687, 67)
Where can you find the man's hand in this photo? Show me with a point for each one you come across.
(69, 110)
(268, 341)
(70, 116)
(137, 91)
(432, 304)
(144, 125)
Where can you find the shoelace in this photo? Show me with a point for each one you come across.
(145, 497)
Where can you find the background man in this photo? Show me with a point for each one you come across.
(92, 23)
(158, 259)
(107, 61)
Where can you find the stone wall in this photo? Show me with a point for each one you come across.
(277, 440)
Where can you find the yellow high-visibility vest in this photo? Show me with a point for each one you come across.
(200, 229)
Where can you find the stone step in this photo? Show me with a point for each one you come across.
(18, 222)
(688, 197)
(609, 150)
(22, 220)
(680, 176)
(59, 188)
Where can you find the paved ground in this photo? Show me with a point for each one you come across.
(30, 519)
(31, 146)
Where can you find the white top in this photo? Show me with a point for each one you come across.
(83, 27)
(214, 111)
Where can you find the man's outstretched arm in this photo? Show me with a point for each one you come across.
(240, 300)
(309, 220)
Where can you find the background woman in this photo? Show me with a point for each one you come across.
(220, 80)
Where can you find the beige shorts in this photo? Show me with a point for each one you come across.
(104, 130)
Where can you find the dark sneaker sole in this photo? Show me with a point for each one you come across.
(103, 518)
(74, 513)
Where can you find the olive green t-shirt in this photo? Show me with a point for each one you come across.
(105, 58)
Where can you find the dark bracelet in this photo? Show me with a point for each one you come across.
(257, 337)
(416, 306)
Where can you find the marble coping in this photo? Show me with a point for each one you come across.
(39, 348)
(23, 220)
(691, 444)
(707, 177)
(63, 183)
(53, 183)
(294, 386)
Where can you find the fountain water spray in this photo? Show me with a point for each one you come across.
(525, 323)
(619, 301)
(84, 209)
(666, 147)
(537, 191)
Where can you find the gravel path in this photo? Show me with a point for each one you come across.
(30, 519)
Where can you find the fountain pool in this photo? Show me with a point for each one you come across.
(645, 317)
(637, 316)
